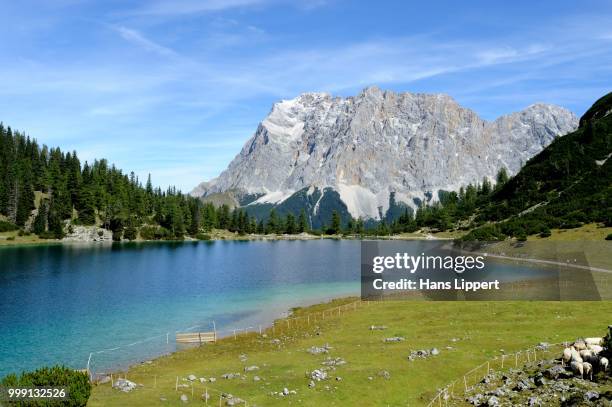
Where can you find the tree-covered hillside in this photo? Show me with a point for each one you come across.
(568, 184)
(46, 191)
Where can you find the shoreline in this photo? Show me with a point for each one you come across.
(228, 335)
(239, 238)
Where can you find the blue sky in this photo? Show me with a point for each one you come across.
(175, 87)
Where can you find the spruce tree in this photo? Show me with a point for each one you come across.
(290, 226)
(336, 226)
(302, 225)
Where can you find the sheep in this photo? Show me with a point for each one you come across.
(592, 359)
(595, 349)
(577, 367)
(579, 345)
(588, 370)
(585, 353)
(575, 355)
(594, 341)
(567, 356)
(604, 364)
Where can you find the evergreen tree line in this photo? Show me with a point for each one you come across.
(46, 191)
(87, 194)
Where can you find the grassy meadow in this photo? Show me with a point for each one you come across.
(466, 333)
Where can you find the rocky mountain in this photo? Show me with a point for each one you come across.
(366, 154)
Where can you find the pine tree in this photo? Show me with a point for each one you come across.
(302, 225)
(502, 177)
(290, 226)
(336, 225)
(40, 222)
(273, 225)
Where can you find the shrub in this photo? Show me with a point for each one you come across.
(484, 233)
(117, 234)
(10, 238)
(148, 232)
(545, 233)
(77, 383)
(202, 236)
(46, 235)
(162, 233)
(7, 226)
(609, 237)
(130, 233)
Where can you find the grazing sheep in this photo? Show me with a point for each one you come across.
(579, 345)
(604, 364)
(575, 355)
(588, 370)
(594, 341)
(577, 367)
(595, 349)
(585, 353)
(567, 356)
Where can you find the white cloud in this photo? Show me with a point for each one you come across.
(140, 40)
(180, 7)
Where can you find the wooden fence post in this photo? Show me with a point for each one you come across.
(176, 385)
(516, 359)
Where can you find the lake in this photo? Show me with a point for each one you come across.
(59, 303)
(123, 303)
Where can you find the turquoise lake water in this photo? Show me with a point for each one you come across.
(120, 303)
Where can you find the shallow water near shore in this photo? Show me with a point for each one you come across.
(123, 303)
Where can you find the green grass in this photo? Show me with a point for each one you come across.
(484, 328)
(13, 239)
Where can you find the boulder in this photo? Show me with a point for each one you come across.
(124, 385)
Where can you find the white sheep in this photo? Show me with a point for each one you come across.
(595, 349)
(588, 370)
(575, 356)
(604, 364)
(594, 341)
(579, 345)
(577, 367)
(585, 353)
(567, 356)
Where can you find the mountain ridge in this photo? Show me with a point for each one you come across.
(368, 146)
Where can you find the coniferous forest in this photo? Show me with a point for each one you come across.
(46, 191)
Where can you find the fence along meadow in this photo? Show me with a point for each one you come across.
(174, 386)
(106, 361)
(474, 376)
